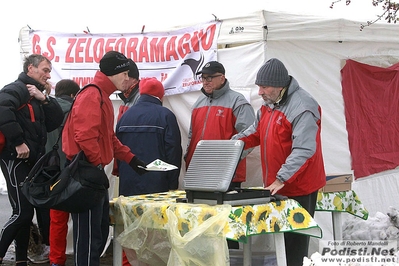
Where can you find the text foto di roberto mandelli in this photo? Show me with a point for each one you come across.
(358, 248)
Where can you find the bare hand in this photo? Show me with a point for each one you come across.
(35, 92)
(275, 186)
(22, 151)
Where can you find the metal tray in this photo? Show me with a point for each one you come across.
(237, 197)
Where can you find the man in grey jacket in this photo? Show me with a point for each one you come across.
(288, 130)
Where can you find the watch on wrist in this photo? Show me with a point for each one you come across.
(46, 101)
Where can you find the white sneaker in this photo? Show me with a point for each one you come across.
(40, 258)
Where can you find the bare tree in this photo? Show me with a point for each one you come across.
(389, 11)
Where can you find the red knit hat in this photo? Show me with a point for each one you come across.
(152, 86)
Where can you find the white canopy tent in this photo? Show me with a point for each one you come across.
(314, 50)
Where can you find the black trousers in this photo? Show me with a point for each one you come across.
(90, 233)
(43, 222)
(18, 226)
(297, 245)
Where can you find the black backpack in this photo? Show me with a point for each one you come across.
(74, 189)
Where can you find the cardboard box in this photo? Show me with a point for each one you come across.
(337, 183)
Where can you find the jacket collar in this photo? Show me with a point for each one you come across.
(133, 93)
(149, 98)
(28, 80)
(217, 93)
(104, 83)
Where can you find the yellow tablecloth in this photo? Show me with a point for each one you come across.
(343, 201)
(243, 221)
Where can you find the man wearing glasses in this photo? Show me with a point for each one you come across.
(219, 113)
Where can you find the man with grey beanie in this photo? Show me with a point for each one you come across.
(287, 128)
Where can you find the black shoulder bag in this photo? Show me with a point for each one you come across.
(77, 188)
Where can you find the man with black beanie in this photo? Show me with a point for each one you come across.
(90, 127)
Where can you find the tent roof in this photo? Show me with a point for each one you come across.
(278, 26)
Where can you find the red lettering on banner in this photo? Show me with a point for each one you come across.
(68, 53)
(195, 42)
(201, 37)
(108, 46)
(164, 76)
(82, 81)
(50, 54)
(121, 45)
(171, 49)
(157, 53)
(143, 51)
(131, 48)
(184, 48)
(98, 49)
(191, 83)
(79, 49)
(88, 58)
(36, 49)
(212, 30)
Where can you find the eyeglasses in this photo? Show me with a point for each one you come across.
(208, 78)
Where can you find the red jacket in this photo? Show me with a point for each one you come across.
(290, 143)
(219, 116)
(90, 125)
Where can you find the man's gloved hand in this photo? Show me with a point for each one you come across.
(135, 163)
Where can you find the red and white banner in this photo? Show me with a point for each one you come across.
(172, 57)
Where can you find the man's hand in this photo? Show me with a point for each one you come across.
(35, 92)
(275, 186)
(138, 165)
(22, 151)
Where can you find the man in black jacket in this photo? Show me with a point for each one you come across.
(27, 114)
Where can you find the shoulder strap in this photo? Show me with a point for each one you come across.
(25, 104)
(88, 85)
(31, 112)
(101, 103)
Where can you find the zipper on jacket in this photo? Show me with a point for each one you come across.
(266, 135)
(206, 118)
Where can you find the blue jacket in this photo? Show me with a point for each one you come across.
(151, 132)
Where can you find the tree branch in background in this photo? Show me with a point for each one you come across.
(389, 11)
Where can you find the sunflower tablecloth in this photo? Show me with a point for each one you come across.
(343, 201)
(241, 221)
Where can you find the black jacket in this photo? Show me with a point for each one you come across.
(31, 123)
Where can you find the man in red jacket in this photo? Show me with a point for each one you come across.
(287, 128)
(90, 127)
(218, 113)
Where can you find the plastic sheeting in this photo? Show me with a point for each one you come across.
(201, 242)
